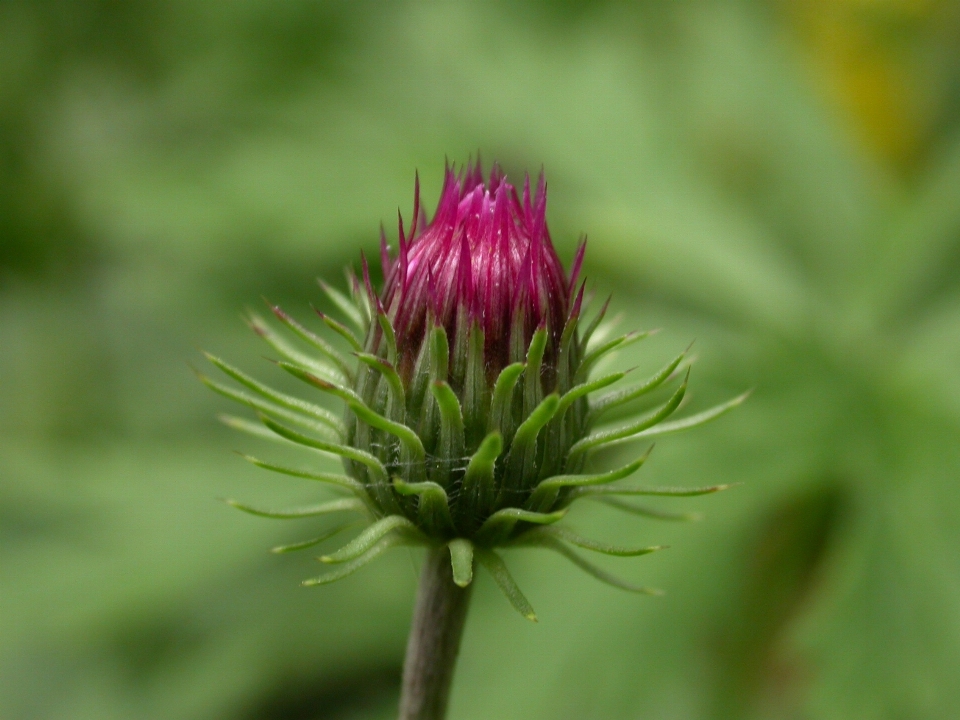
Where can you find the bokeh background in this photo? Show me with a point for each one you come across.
(779, 181)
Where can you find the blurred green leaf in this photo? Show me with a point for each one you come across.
(777, 181)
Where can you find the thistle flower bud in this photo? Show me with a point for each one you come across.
(472, 409)
(472, 318)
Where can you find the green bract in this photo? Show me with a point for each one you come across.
(471, 405)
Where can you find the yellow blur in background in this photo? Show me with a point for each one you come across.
(779, 181)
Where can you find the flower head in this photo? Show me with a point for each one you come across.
(472, 408)
(486, 260)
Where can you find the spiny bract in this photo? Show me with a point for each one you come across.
(470, 404)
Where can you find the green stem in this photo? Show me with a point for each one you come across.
(434, 642)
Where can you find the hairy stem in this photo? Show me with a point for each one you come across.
(434, 642)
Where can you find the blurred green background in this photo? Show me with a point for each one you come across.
(778, 180)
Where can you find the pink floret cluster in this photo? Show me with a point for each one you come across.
(486, 259)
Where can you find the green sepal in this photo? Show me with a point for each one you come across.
(341, 505)
(361, 299)
(343, 481)
(439, 353)
(355, 454)
(645, 511)
(260, 327)
(562, 533)
(532, 385)
(593, 325)
(282, 399)
(415, 386)
(475, 386)
(388, 335)
(345, 305)
(523, 449)
(569, 352)
(619, 397)
(568, 336)
(498, 526)
(266, 407)
(460, 349)
(479, 491)
(251, 428)
(579, 391)
(341, 330)
(304, 544)
(408, 437)
(545, 494)
(502, 400)
(410, 440)
(694, 420)
(451, 423)
(390, 374)
(434, 507)
(592, 357)
(508, 586)
(552, 543)
(461, 561)
(371, 535)
(605, 437)
(352, 566)
(314, 340)
(654, 491)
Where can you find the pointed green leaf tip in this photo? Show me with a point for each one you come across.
(571, 537)
(304, 544)
(348, 568)
(661, 491)
(343, 481)
(508, 586)
(345, 504)
(369, 538)
(317, 342)
(549, 487)
(288, 402)
(553, 543)
(633, 429)
(694, 420)
(341, 330)
(344, 304)
(461, 558)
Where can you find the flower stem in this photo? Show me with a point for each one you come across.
(434, 642)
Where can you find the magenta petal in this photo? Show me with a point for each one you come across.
(486, 255)
(577, 264)
(416, 207)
